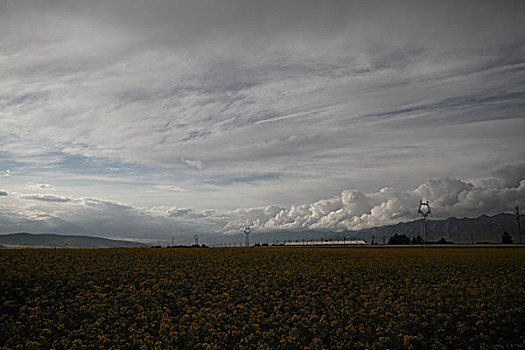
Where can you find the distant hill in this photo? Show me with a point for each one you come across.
(481, 229)
(50, 240)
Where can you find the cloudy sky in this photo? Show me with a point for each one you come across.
(159, 119)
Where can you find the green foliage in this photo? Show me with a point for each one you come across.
(262, 298)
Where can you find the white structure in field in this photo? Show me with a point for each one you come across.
(325, 242)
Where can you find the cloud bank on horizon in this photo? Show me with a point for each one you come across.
(350, 210)
(161, 117)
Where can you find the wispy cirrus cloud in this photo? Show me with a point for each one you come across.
(169, 188)
(193, 163)
(43, 187)
(46, 198)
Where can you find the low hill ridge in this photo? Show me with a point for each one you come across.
(49, 240)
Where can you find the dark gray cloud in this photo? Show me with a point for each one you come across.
(510, 175)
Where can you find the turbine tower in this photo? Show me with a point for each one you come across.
(424, 212)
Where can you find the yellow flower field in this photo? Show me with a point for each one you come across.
(273, 298)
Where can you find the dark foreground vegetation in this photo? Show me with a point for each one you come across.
(262, 299)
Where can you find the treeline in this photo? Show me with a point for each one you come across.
(403, 239)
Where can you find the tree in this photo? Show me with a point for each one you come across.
(443, 241)
(506, 239)
(417, 240)
(399, 239)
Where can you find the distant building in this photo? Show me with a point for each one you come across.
(325, 242)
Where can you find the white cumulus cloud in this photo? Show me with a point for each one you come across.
(353, 210)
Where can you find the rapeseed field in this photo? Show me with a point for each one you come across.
(273, 298)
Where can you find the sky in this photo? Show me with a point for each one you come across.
(164, 119)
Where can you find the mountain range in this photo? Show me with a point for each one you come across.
(463, 230)
(49, 240)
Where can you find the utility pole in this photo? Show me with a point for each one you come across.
(247, 231)
(518, 221)
(424, 213)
